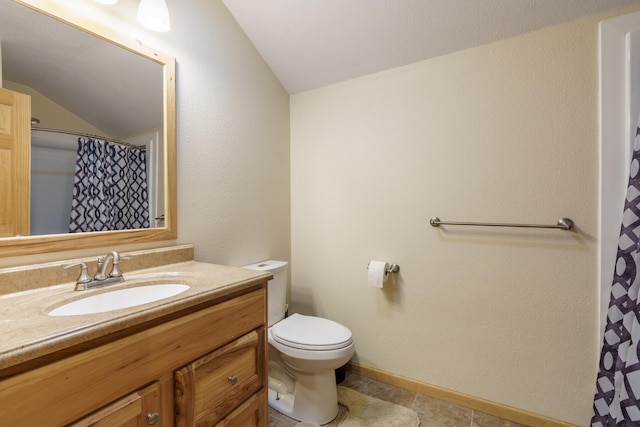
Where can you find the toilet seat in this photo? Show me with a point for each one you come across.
(311, 333)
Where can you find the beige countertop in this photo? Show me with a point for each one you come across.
(28, 333)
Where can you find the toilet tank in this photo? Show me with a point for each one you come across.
(277, 287)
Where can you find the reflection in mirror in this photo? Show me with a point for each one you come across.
(81, 85)
(85, 83)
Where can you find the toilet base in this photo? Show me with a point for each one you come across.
(314, 399)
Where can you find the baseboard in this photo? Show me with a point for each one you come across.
(461, 399)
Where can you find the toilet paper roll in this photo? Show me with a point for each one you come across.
(377, 273)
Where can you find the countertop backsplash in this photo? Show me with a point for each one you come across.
(34, 276)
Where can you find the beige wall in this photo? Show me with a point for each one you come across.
(505, 132)
(233, 141)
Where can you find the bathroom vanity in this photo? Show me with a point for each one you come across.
(198, 358)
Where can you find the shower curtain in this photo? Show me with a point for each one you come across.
(617, 396)
(110, 187)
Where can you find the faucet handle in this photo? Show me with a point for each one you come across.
(84, 277)
(115, 270)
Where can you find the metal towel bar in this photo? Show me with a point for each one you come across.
(563, 224)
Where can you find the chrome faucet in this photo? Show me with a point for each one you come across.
(85, 281)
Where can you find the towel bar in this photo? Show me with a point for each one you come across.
(563, 224)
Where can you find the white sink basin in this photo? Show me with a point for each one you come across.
(118, 299)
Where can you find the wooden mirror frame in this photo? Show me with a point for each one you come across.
(30, 245)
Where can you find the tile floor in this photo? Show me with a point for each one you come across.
(432, 412)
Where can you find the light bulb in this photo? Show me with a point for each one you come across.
(106, 1)
(154, 15)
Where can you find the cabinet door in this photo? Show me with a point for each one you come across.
(250, 414)
(214, 385)
(138, 409)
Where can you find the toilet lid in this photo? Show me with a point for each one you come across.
(311, 333)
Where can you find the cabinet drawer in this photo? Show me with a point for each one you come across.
(211, 387)
(250, 414)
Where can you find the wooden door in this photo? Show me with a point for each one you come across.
(15, 161)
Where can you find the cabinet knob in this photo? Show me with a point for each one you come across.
(233, 380)
(152, 418)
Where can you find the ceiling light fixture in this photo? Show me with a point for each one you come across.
(154, 15)
(106, 1)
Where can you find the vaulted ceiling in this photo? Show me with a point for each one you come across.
(313, 43)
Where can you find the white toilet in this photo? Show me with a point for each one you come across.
(304, 352)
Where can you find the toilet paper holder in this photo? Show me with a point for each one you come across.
(393, 268)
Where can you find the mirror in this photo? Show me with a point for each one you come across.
(90, 58)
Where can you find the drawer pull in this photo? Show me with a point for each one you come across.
(152, 418)
(233, 380)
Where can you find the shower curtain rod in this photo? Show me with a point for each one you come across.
(88, 135)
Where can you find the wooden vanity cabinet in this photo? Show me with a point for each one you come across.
(205, 368)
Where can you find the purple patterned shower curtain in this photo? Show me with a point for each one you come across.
(110, 188)
(617, 397)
